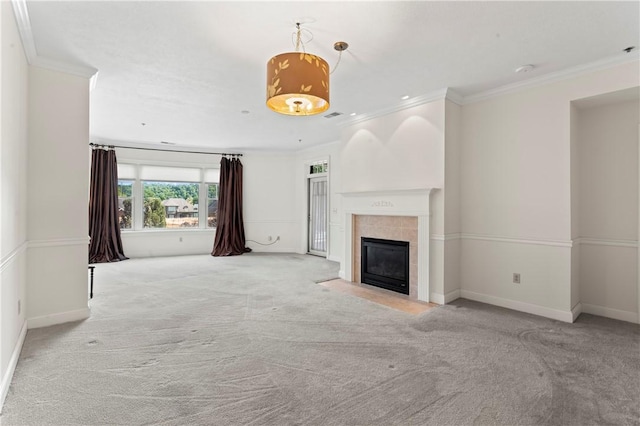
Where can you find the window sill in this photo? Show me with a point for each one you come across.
(142, 232)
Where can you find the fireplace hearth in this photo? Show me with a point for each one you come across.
(385, 264)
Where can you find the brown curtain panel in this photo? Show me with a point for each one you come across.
(104, 226)
(230, 239)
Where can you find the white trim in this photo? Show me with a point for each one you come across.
(21, 12)
(496, 238)
(576, 311)
(606, 242)
(59, 242)
(424, 263)
(167, 231)
(5, 261)
(451, 296)
(437, 298)
(93, 82)
(604, 311)
(54, 65)
(268, 221)
(24, 28)
(334, 258)
(409, 103)
(58, 318)
(552, 77)
(566, 316)
(446, 237)
(456, 98)
(11, 367)
(443, 299)
(383, 192)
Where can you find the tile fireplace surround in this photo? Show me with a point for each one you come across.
(395, 215)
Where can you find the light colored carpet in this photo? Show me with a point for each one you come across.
(253, 340)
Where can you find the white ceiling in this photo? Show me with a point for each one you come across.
(188, 69)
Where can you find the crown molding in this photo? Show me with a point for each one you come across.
(54, 65)
(409, 103)
(449, 94)
(24, 28)
(454, 97)
(553, 77)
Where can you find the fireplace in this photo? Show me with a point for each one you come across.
(407, 204)
(385, 264)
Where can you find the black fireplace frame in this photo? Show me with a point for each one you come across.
(386, 282)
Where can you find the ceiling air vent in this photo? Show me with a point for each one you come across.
(333, 114)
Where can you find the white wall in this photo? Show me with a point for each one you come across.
(452, 192)
(575, 208)
(270, 207)
(13, 190)
(516, 192)
(401, 150)
(58, 188)
(608, 209)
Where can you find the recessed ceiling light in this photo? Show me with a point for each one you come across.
(525, 68)
(244, 111)
(405, 97)
(352, 114)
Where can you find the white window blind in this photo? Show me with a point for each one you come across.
(126, 171)
(212, 175)
(172, 174)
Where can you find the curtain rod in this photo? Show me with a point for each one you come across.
(163, 150)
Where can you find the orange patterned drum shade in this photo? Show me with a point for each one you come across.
(297, 84)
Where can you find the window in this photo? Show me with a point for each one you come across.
(319, 167)
(212, 205)
(125, 204)
(170, 204)
(166, 197)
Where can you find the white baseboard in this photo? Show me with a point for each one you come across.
(451, 296)
(604, 311)
(11, 368)
(436, 298)
(341, 274)
(565, 316)
(443, 299)
(576, 311)
(334, 258)
(59, 318)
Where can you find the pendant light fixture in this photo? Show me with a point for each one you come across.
(298, 82)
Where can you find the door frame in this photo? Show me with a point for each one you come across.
(307, 177)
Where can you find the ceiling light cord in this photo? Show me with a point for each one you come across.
(296, 38)
(335, 67)
(340, 46)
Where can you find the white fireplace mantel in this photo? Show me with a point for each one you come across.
(403, 202)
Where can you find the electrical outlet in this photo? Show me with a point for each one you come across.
(180, 239)
(516, 278)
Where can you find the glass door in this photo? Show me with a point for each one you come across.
(318, 216)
